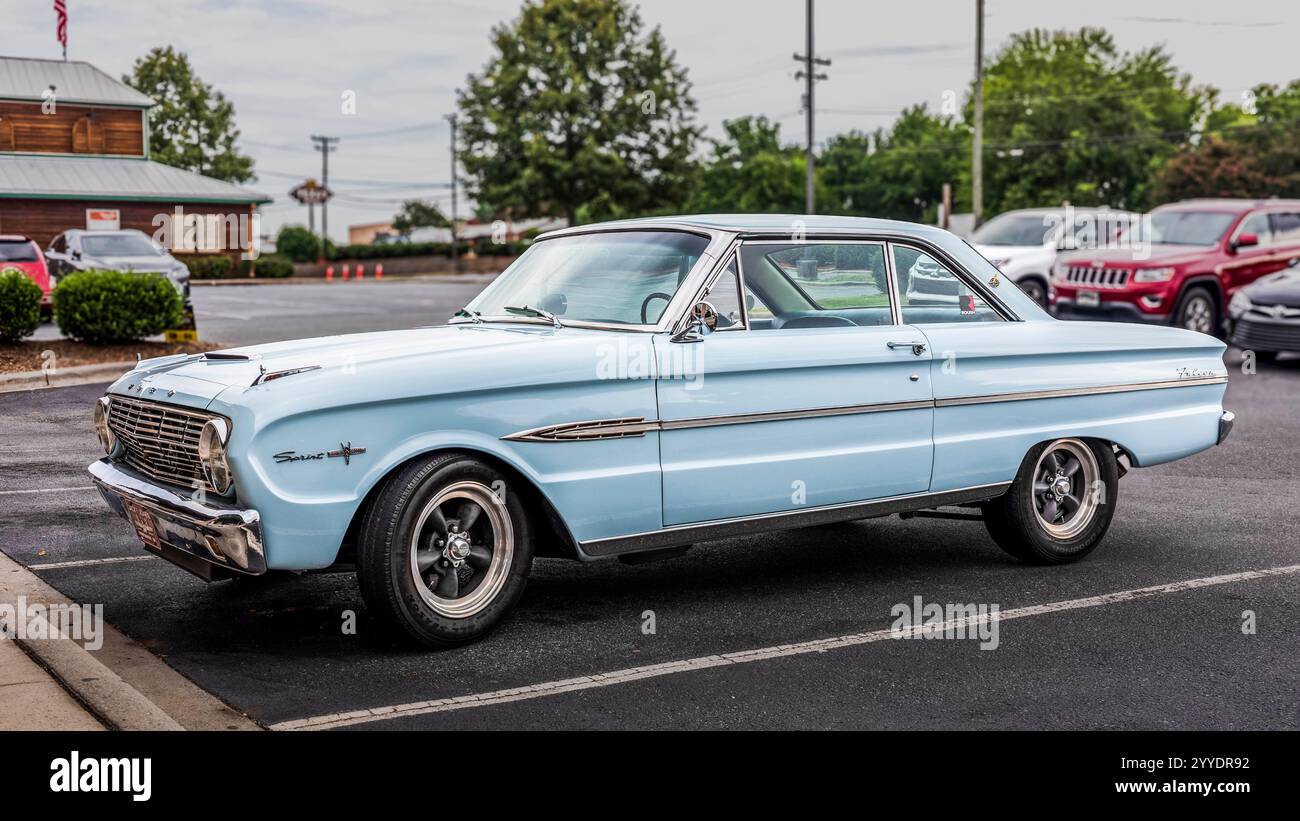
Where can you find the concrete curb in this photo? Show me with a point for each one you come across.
(122, 684)
(63, 377)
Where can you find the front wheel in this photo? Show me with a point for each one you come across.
(1197, 311)
(445, 550)
(1060, 504)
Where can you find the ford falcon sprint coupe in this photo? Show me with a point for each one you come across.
(631, 388)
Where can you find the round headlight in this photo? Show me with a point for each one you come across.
(212, 453)
(106, 436)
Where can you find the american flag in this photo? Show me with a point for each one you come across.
(61, 27)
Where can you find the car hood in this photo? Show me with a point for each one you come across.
(1282, 288)
(384, 365)
(141, 264)
(1147, 256)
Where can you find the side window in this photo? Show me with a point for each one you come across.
(798, 285)
(725, 297)
(929, 293)
(60, 244)
(1286, 228)
(1258, 224)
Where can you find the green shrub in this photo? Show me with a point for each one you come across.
(269, 266)
(20, 305)
(115, 306)
(211, 268)
(298, 244)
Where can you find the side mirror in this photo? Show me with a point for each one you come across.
(75, 254)
(1245, 240)
(702, 322)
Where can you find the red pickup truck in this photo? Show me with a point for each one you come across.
(21, 253)
(1184, 268)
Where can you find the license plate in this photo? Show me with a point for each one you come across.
(1089, 299)
(144, 526)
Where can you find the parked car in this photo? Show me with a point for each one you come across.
(1264, 316)
(22, 253)
(125, 250)
(632, 388)
(1023, 244)
(1200, 253)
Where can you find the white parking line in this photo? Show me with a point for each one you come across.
(47, 490)
(550, 688)
(89, 562)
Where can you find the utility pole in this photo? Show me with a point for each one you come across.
(324, 145)
(455, 258)
(977, 144)
(810, 77)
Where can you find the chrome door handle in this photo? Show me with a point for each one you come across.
(918, 348)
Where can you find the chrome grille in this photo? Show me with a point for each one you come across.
(1096, 277)
(160, 440)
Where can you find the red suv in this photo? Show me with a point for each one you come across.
(21, 253)
(1200, 253)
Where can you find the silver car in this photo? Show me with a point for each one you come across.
(122, 250)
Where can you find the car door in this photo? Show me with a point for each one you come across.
(808, 394)
(1249, 263)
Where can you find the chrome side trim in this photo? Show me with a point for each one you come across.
(596, 429)
(639, 426)
(678, 535)
(586, 431)
(1020, 396)
(781, 416)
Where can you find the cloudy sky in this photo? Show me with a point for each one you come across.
(286, 64)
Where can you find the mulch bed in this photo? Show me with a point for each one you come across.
(31, 356)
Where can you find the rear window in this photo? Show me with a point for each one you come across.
(18, 251)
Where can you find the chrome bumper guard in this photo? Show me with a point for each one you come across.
(212, 541)
(1225, 425)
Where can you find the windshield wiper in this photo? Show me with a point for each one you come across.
(473, 316)
(528, 310)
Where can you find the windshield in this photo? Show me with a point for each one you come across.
(1189, 227)
(627, 278)
(21, 251)
(1017, 229)
(120, 245)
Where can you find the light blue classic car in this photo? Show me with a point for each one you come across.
(631, 388)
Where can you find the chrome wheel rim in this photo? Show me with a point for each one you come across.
(461, 549)
(1035, 292)
(1065, 489)
(1198, 315)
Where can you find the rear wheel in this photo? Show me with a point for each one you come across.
(1060, 504)
(445, 550)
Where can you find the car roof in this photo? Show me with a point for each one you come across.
(759, 224)
(14, 238)
(1060, 209)
(1225, 204)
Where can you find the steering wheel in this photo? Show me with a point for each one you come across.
(645, 303)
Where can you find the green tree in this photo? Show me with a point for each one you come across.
(899, 172)
(1250, 151)
(418, 214)
(1070, 117)
(578, 109)
(750, 171)
(193, 125)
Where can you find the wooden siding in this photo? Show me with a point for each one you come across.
(71, 129)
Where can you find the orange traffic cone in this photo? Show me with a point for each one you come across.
(379, 270)
(329, 273)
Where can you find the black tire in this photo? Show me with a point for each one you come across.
(1035, 289)
(1015, 521)
(1198, 310)
(405, 598)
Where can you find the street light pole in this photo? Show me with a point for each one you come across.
(455, 258)
(810, 77)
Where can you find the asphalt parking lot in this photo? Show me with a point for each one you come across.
(813, 603)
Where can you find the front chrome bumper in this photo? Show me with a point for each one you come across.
(210, 540)
(1225, 425)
